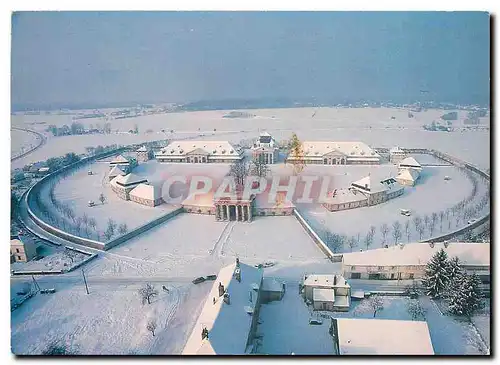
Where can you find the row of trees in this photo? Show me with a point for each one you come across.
(444, 278)
(77, 128)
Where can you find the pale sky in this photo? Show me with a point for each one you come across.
(124, 57)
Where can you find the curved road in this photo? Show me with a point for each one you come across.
(40, 136)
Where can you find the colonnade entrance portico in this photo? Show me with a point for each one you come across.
(233, 211)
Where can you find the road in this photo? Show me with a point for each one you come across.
(41, 138)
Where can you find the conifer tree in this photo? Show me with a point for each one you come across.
(466, 298)
(436, 275)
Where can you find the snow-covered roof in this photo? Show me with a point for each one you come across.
(142, 149)
(368, 186)
(146, 191)
(130, 179)
(115, 171)
(359, 336)
(365, 182)
(323, 295)
(228, 325)
(414, 254)
(119, 159)
(349, 149)
(396, 150)
(325, 281)
(213, 148)
(408, 174)
(410, 161)
(345, 196)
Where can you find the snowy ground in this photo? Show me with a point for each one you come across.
(370, 125)
(22, 141)
(58, 260)
(283, 320)
(78, 189)
(111, 320)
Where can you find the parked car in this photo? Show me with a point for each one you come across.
(201, 279)
(211, 277)
(472, 221)
(405, 212)
(315, 321)
(91, 203)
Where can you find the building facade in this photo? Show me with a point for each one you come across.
(200, 152)
(142, 154)
(23, 251)
(265, 149)
(146, 194)
(326, 292)
(396, 155)
(123, 185)
(337, 153)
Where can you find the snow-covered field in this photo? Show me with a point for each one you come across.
(59, 260)
(21, 141)
(271, 238)
(370, 125)
(110, 320)
(78, 189)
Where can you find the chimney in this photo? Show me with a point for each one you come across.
(221, 289)
(237, 274)
(226, 298)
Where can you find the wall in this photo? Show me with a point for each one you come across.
(142, 229)
(323, 247)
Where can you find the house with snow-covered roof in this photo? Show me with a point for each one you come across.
(265, 149)
(200, 152)
(378, 191)
(122, 185)
(359, 336)
(127, 164)
(396, 155)
(408, 261)
(115, 171)
(228, 319)
(146, 194)
(337, 153)
(329, 292)
(407, 177)
(410, 163)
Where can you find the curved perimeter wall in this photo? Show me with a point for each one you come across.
(35, 189)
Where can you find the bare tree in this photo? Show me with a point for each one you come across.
(85, 219)
(427, 220)
(384, 229)
(441, 219)
(407, 230)
(239, 170)
(352, 242)
(368, 240)
(372, 232)
(111, 225)
(78, 225)
(376, 304)
(122, 229)
(396, 231)
(102, 198)
(415, 310)
(151, 326)
(109, 233)
(147, 292)
(92, 223)
(332, 240)
(259, 167)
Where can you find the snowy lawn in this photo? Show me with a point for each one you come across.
(271, 238)
(78, 189)
(22, 141)
(61, 259)
(111, 320)
(285, 328)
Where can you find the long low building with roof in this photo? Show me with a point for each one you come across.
(408, 261)
(337, 153)
(200, 152)
(359, 336)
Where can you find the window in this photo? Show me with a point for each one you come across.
(17, 250)
(374, 276)
(353, 267)
(381, 268)
(356, 275)
(411, 276)
(19, 257)
(323, 305)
